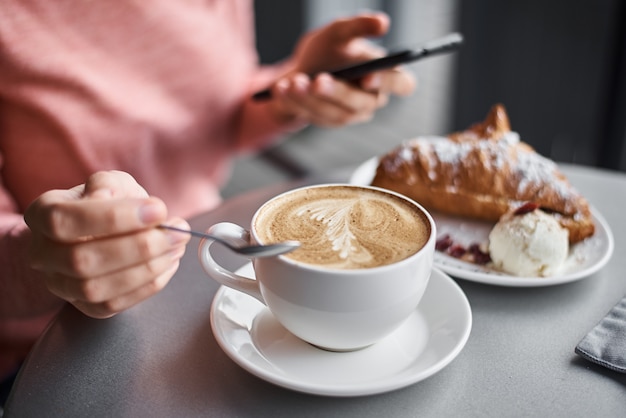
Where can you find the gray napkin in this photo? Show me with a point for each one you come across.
(606, 342)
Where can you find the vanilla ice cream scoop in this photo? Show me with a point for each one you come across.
(528, 243)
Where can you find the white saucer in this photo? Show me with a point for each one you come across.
(428, 341)
(585, 258)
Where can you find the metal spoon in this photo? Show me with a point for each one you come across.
(269, 250)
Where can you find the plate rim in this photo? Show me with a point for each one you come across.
(508, 280)
(456, 295)
(367, 169)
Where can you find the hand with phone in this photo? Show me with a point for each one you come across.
(328, 101)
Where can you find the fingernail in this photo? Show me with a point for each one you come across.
(301, 83)
(152, 212)
(178, 253)
(325, 84)
(176, 238)
(282, 86)
(374, 82)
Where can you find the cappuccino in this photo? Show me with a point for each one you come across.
(344, 227)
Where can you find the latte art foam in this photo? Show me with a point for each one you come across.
(344, 227)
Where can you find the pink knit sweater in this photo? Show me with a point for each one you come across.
(156, 88)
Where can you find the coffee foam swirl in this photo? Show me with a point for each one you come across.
(345, 228)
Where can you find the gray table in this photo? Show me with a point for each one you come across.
(161, 359)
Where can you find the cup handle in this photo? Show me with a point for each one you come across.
(235, 234)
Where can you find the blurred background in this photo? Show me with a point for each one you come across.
(558, 66)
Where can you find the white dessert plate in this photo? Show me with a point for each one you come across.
(423, 345)
(585, 258)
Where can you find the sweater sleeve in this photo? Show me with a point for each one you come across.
(26, 306)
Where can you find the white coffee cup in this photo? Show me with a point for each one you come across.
(336, 308)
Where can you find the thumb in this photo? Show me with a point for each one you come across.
(365, 25)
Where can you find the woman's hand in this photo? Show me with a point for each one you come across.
(99, 244)
(326, 101)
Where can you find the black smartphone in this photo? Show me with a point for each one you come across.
(448, 43)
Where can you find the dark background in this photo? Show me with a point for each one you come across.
(559, 67)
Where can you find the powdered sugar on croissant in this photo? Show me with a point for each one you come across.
(482, 173)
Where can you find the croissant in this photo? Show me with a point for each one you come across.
(482, 173)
